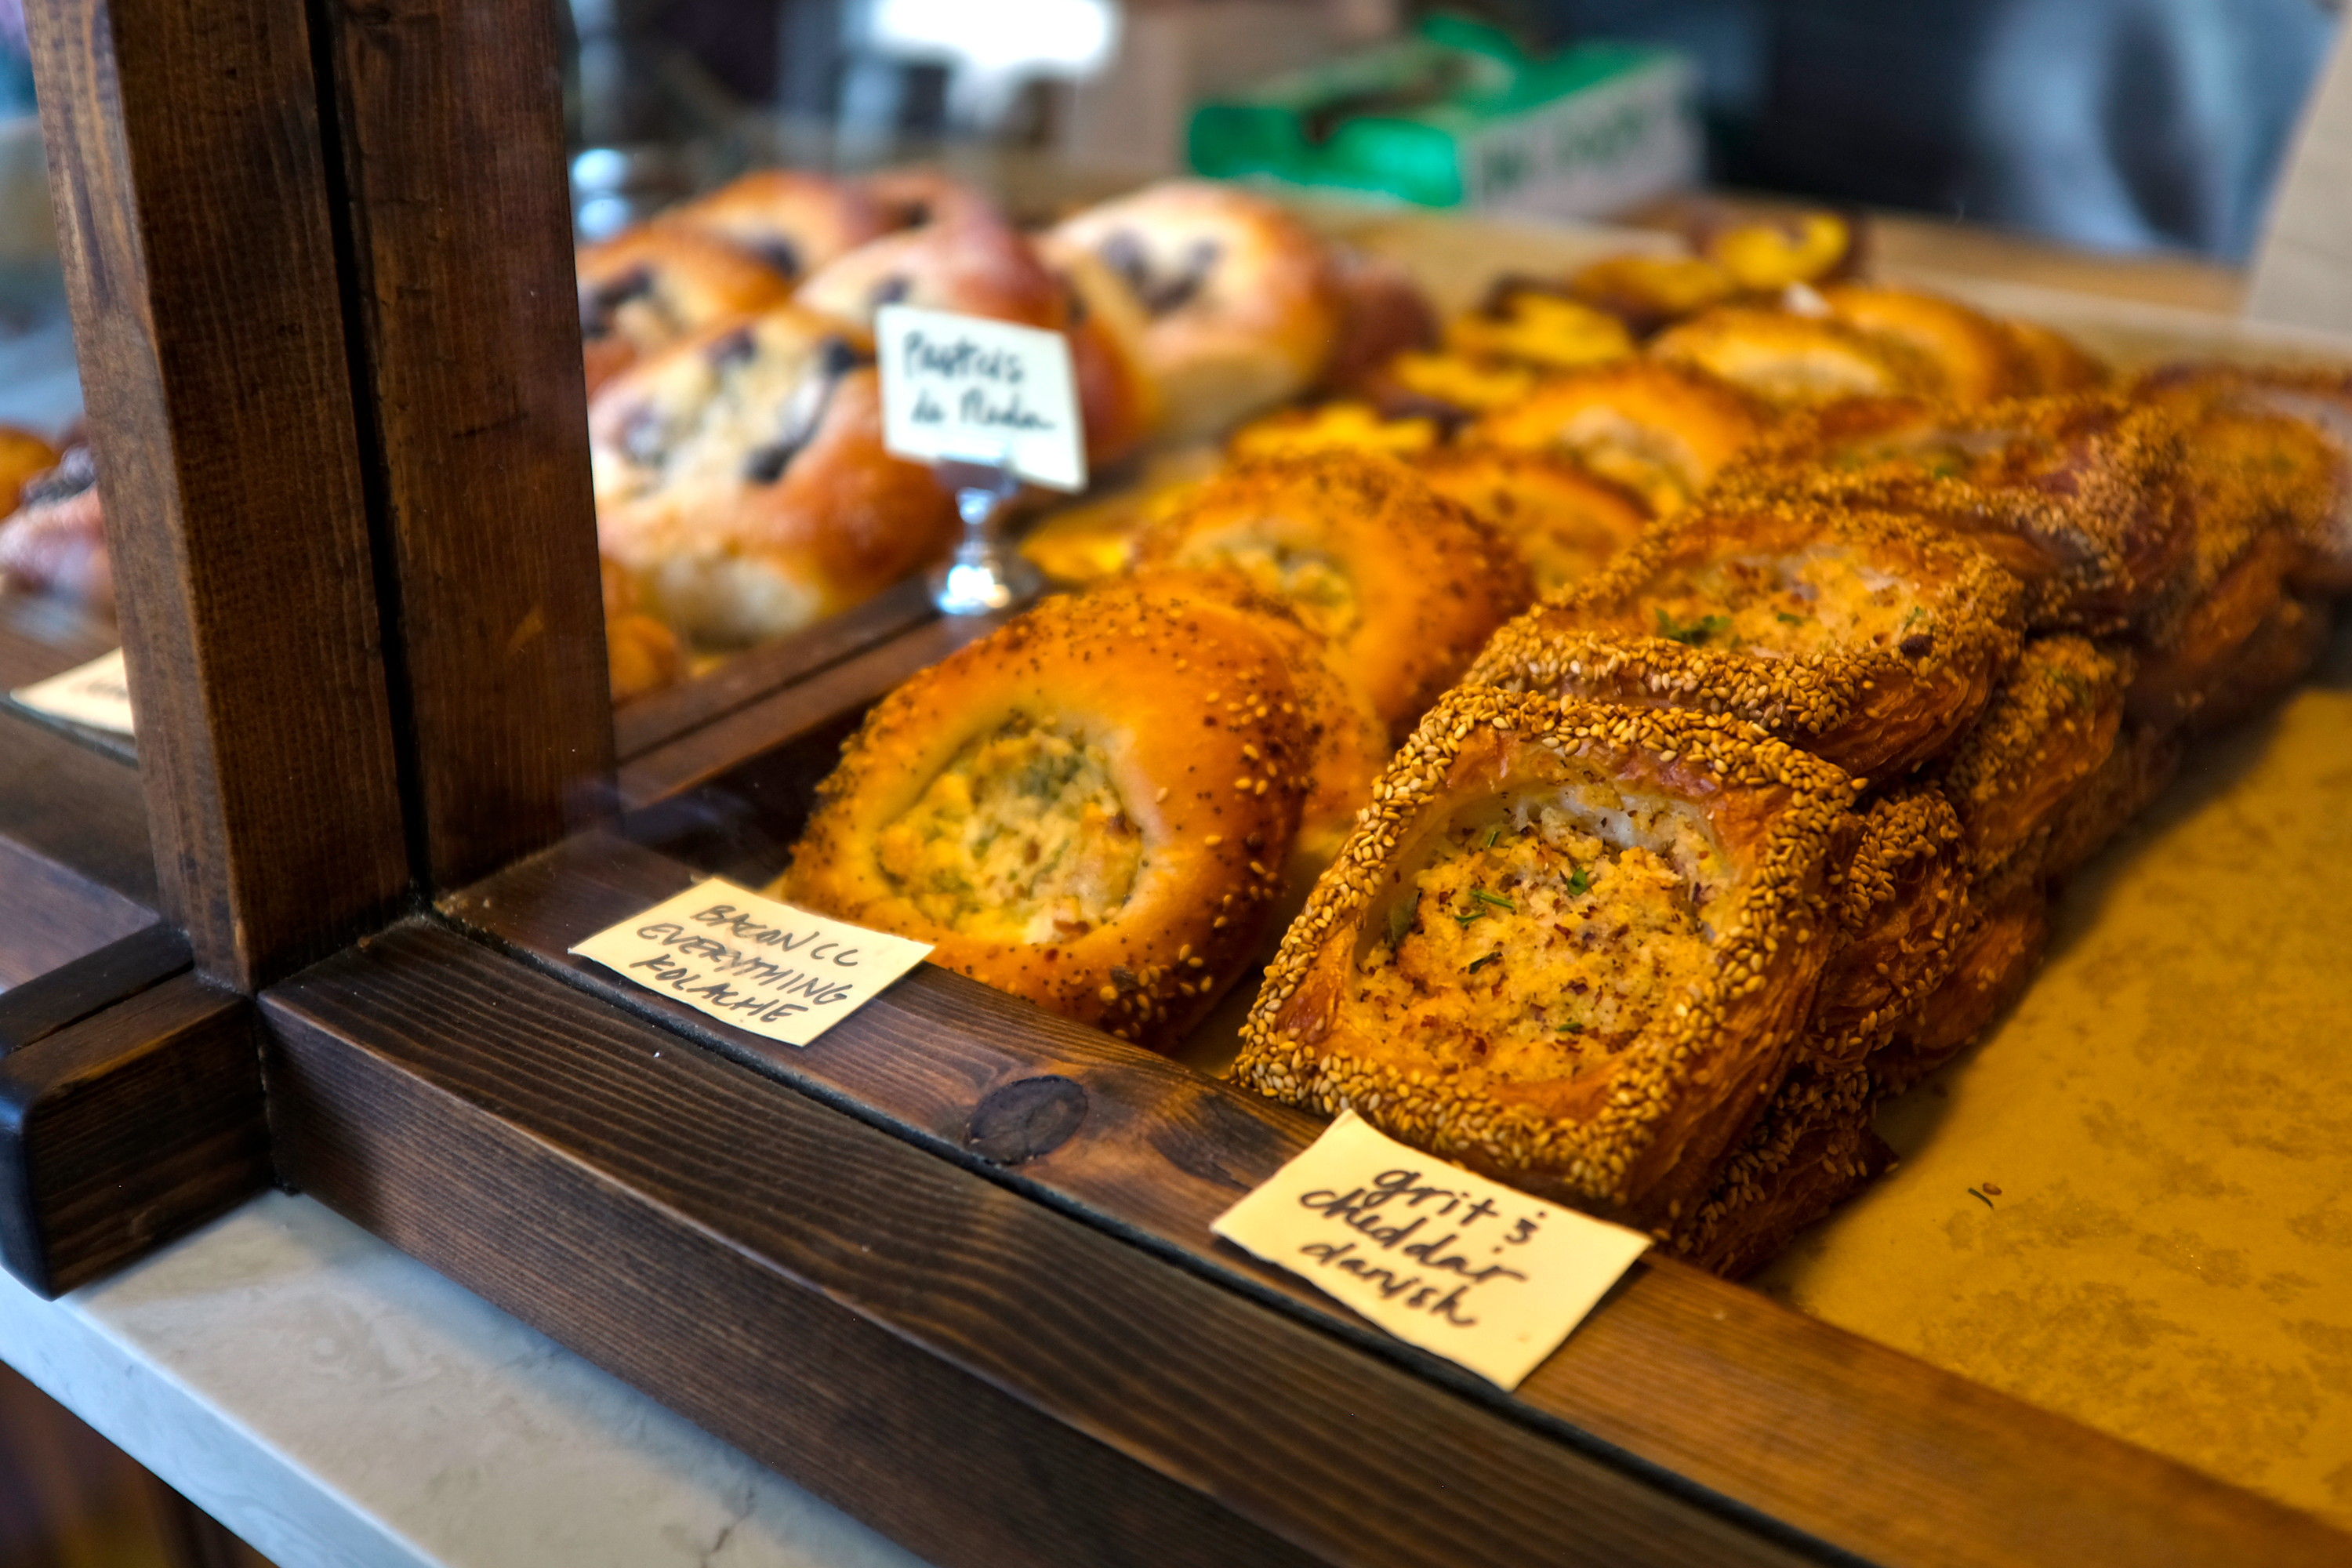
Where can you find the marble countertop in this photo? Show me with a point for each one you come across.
(335, 1403)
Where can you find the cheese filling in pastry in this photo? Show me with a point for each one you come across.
(1568, 945)
(1871, 641)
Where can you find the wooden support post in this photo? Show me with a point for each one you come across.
(186, 172)
(448, 148)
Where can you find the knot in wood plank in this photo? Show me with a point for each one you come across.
(1027, 1119)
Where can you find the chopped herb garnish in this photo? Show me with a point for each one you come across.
(1695, 634)
(1570, 1029)
(1789, 620)
(1478, 963)
(2076, 687)
(1492, 834)
(1944, 468)
(1915, 616)
(1578, 880)
(1972, 1192)
(1400, 915)
(1484, 897)
(1475, 913)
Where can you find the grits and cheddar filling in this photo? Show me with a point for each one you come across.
(1790, 606)
(1545, 936)
(1021, 837)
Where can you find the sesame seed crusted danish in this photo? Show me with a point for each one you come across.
(740, 478)
(2263, 667)
(2076, 496)
(1244, 303)
(1790, 359)
(647, 287)
(2048, 726)
(1568, 522)
(2053, 362)
(1405, 585)
(1089, 808)
(1533, 325)
(1899, 901)
(1866, 640)
(2003, 935)
(2137, 767)
(1568, 945)
(1812, 1149)
(1969, 358)
(1664, 431)
(794, 220)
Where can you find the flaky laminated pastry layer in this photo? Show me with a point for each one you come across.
(1867, 639)
(1636, 1136)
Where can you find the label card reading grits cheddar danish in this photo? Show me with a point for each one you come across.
(969, 390)
(97, 694)
(1484, 1276)
(752, 961)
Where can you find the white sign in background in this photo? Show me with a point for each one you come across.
(965, 389)
(1480, 1273)
(97, 694)
(754, 962)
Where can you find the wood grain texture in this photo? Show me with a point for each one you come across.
(68, 803)
(185, 171)
(661, 717)
(713, 1237)
(127, 1128)
(1845, 1441)
(457, 207)
(51, 915)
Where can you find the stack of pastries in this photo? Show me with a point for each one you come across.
(741, 481)
(1758, 675)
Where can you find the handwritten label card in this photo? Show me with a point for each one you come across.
(752, 961)
(1483, 1275)
(96, 694)
(965, 389)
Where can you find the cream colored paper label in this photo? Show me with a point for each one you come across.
(754, 962)
(96, 694)
(966, 389)
(1480, 1274)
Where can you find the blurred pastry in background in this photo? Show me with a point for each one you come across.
(645, 288)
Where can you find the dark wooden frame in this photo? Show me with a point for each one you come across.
(351, 542)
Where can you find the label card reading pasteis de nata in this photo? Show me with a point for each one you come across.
(1484, 1276)
(966, 389)
(97, 694)
(752, 961)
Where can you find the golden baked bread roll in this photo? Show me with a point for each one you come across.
(55, 542)
(1765, 256)
(2076, 496)
(1662, 430)
(649, 287)
(1347, 741)
(22, 456)
(1570, 946)
(1899, 900)
(1568, 522)
(1535, 325)
(2048, 727)
(1089, 808)
(2053, 362)
(1406, 585)
(1790, 360)
(1342, 425)
(1450, 388)
(641, 653)
(794, 220)
(967, 258)
(1647, 293)
(1245, 307)
(1867, 639)
(740, 478)
(1973, 360)
(1812, 1149)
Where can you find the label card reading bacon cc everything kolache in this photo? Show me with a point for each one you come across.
(1479, 1273)
(754, 962)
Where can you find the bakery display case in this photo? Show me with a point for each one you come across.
(951, 1265)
